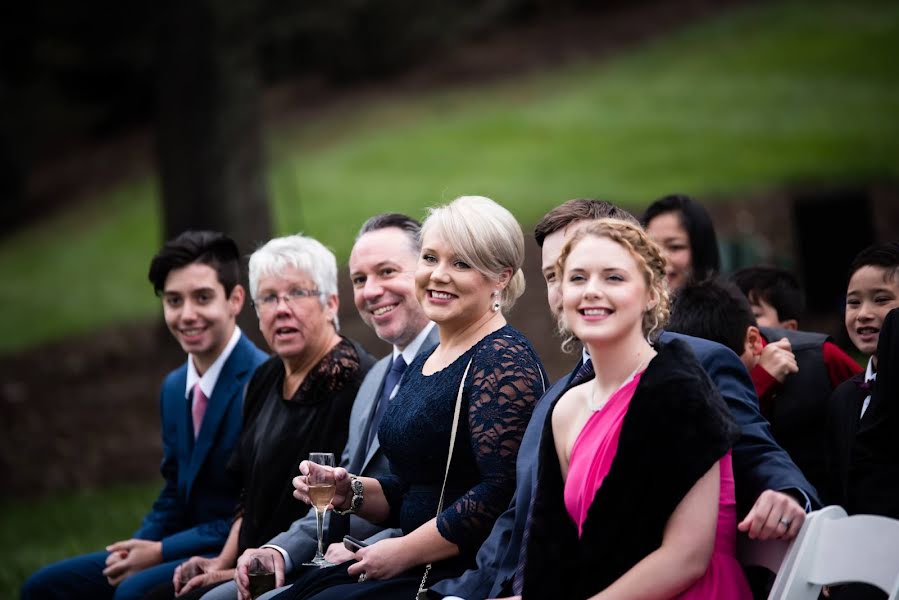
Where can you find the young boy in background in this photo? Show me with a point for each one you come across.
(794, 372)
(861, 417)
(873, 291)
(774, 294)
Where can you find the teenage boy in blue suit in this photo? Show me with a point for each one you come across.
(197, 276)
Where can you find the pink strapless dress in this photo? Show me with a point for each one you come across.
(591, 458)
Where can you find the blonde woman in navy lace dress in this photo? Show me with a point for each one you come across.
(468, 274)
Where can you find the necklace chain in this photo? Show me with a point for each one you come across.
(594, 406)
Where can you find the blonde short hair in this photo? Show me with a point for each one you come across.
(486, 236)
(650, 260)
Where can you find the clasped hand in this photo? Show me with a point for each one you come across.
(200, 572)
(342, 479)
(129, 557)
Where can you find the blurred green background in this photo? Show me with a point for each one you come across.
(759, 97)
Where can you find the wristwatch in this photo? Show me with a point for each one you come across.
(356, 501)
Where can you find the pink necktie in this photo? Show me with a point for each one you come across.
(199, 408)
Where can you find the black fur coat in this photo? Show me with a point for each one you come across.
(677, 426)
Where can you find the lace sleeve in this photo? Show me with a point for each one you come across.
(507, 379)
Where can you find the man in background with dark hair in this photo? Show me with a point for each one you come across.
(197, 275)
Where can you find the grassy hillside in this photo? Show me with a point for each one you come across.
(36, 533)
(754, 98)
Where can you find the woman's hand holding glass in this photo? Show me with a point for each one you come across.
(342, 491)
(320, 488)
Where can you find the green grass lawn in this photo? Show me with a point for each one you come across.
(35, 533)
(755, 98)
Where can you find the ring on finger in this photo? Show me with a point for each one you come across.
(785, 522)
(362, 577)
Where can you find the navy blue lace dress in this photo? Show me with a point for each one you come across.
(504, 382)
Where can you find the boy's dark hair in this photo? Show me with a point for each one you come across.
(774, 285)
(705, 256)
(398, 220)
(579, 209)
(206, 247)
(884, 255)
(712, 309)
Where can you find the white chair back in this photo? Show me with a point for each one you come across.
(833, 548)
(774, 555)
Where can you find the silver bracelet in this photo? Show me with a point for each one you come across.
(358, 496)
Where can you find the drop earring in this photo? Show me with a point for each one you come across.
(496, 305)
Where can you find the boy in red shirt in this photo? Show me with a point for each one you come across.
(794, 372)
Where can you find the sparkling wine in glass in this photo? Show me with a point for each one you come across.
(321, 491)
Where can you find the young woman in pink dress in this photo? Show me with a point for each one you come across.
(635, 494)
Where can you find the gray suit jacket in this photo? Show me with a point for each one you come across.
(301, 539)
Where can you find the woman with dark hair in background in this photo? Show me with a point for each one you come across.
(683, 228)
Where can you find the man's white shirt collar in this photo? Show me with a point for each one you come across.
(211, 376)
(411, 350)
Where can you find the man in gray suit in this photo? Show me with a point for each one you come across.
(382, 265)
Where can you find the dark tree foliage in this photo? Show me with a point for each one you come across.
(81, 72)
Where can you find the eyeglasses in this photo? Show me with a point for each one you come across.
(269, 302)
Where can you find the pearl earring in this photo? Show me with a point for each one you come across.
(496, 305)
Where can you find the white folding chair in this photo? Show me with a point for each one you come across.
(833, 548)
(773, 555)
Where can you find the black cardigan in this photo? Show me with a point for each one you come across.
(676, 427)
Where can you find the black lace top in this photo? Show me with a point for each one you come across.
(504, 382)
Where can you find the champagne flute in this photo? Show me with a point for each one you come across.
(261, 572)
(321, 491)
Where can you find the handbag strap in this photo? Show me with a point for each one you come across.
(452, 442)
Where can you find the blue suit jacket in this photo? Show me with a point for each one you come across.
(194, 511)
(759, 464)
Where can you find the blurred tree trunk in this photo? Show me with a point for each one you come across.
(16, 101)
(209, 146)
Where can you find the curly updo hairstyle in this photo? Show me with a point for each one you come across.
(649, 258)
